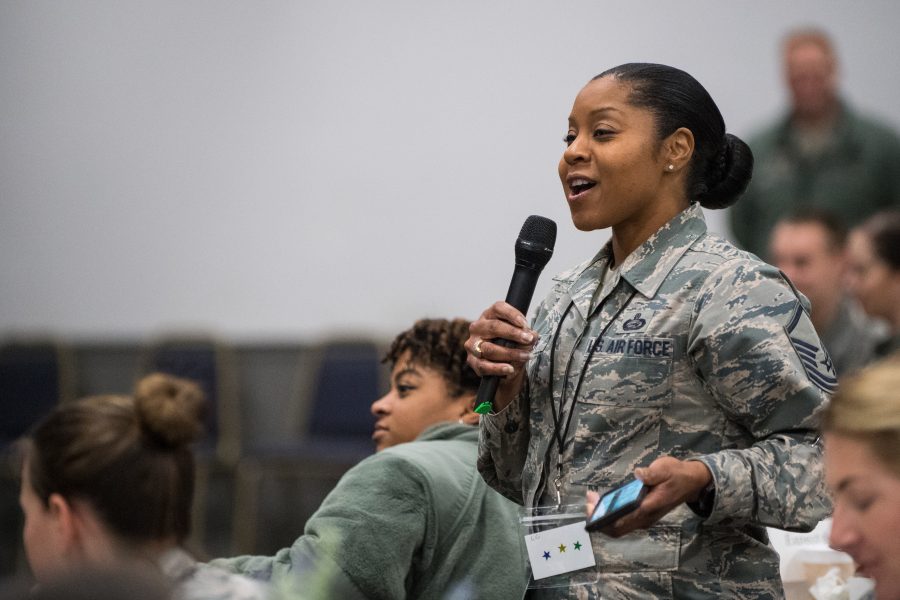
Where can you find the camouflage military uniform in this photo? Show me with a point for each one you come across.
(698, 351)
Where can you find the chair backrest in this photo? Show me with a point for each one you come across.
(211, 364)
(347, 376)
(35, 375)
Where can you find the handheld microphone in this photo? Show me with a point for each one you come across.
(534, 247)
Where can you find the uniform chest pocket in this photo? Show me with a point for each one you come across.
(630, 371)
(627, 386)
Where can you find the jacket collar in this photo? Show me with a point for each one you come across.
(644, 269)
(845, 133)
(448, 431)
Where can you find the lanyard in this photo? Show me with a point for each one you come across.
(560, 433)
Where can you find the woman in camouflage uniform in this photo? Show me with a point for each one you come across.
(670, 355)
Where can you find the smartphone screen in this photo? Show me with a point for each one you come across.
(617, 503)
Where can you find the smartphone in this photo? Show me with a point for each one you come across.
(617, 503)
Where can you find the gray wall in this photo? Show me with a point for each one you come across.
(271, 170)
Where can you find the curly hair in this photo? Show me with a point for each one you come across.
(438, 344)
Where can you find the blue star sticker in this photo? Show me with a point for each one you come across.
(546, 555)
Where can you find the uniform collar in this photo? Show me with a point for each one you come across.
(645, 268)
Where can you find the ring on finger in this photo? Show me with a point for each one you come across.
(476, 348)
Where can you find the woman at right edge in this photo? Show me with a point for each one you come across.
(670, 355)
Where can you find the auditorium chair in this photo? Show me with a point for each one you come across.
(282, 482)
(35, 375)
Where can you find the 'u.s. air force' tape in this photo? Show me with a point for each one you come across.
(816, 361)
(648, 347)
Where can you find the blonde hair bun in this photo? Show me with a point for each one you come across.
(170, 408)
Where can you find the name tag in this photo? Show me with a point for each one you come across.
(636, 346)
(560, 550)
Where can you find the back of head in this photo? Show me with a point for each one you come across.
(883, 230)
(867, 407)
(129, 457)
(722, 164)
(438, 344)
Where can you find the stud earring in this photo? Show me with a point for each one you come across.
(671, 167)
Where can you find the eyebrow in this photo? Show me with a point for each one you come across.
(845, 483)
(407, 371)
(597, 111)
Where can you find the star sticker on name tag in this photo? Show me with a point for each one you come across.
(562, 548)
(577, 545)
(546, 555)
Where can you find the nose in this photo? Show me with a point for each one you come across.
(575, 151)
(843, 535)
(381, 406)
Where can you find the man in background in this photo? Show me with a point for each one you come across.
(821, 154)
(809, 247)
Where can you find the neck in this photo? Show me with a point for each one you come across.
(818, 120)
(628, 236)
(824, 312)
(894, 321)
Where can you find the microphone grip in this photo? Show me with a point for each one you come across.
(521, 289)
(487, 389)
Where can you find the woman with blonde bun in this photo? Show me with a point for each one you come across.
(108, 481)
(862, 468)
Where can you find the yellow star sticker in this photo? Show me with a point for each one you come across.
(562, 548)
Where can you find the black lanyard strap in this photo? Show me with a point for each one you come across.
(559, 433)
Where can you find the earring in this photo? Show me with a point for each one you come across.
(671, 167)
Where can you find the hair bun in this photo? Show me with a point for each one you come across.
(728, 174)
(170, 408)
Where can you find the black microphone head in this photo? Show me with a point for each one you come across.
(534, 246)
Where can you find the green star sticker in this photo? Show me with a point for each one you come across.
(578, 545)
(562, 548)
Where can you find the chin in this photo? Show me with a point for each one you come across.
(887, 586)
(588, 223)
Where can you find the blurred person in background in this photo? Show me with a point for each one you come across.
(415, 520)
(862, 466)
(822, 153)
(108, 482)
(809, 247)
(874, 275)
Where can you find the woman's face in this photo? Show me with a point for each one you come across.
(418, 398)
(611, 170)
(870, 278)
(866, 518)
(44, 545)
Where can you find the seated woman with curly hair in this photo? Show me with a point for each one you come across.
(415, 520)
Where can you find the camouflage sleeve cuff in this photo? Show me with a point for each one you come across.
(502, 445)
(731, 499)
(504, 427)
